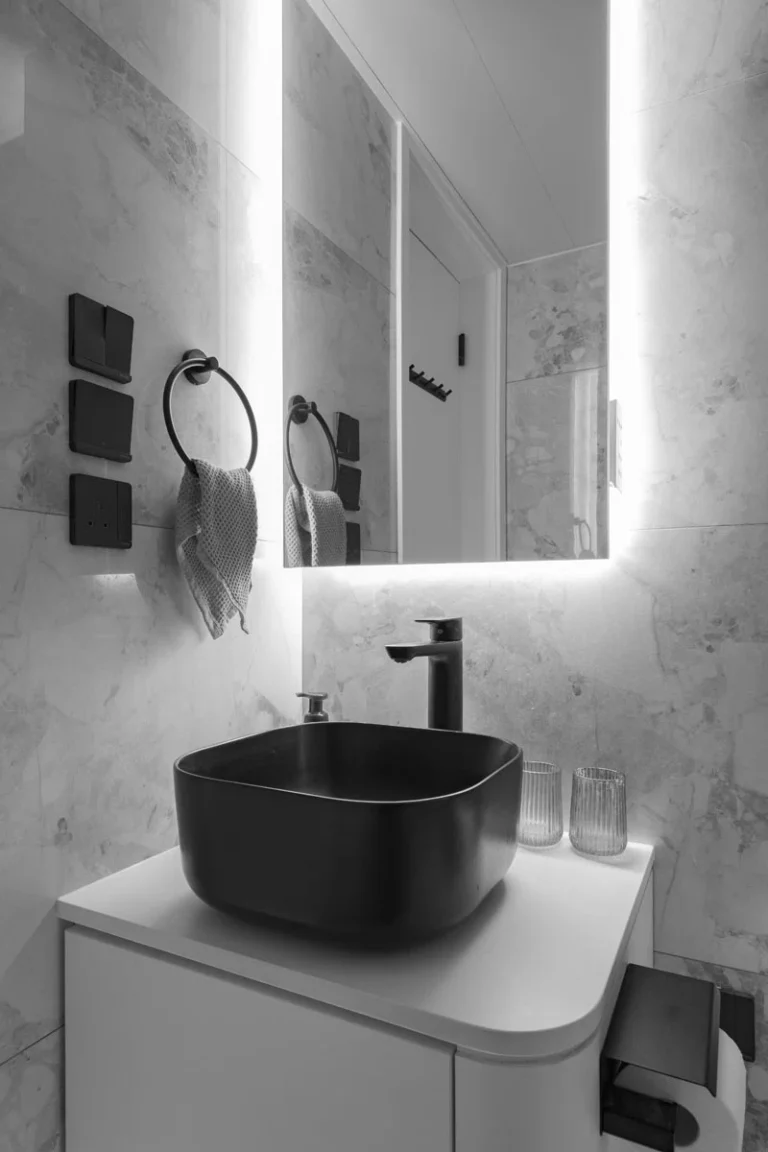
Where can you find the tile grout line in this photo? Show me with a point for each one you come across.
(557, 375)
(699, 92)
(712, 964)
(213, 139)
(700, 527)
(353, 260)
(21, 1051)
(531, 380)
(134, 523)
(561, 252)
(185, 115)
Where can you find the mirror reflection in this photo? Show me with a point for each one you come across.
(445, 281)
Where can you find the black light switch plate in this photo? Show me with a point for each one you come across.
(349, 487)
(100, 421)
(100, 339)
(347, 437)
(100, 512)
(353, 543)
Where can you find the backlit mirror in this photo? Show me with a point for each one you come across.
(445, 280)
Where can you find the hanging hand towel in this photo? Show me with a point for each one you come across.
(315, 529)
(216, 529)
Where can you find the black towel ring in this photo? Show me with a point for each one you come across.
(298, 411)
(197, 368)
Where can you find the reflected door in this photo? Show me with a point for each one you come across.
(431, 474)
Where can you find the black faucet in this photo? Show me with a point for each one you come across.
(445, 652)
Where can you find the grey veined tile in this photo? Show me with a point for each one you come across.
(113, 643)
(337, 352)
(528, 675)
(106, 188)
(655, 663)
(682, 687)
(337, 144)
(204, 55)
(31, 1105)
(693, 45)
(702, 387)
(557, 480)
(557, 314)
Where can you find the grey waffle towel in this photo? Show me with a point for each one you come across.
(216, 529)
(315, 529)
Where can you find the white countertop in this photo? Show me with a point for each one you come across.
(524, 978)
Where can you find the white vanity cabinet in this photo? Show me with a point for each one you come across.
(188, 1031)
(164, 1056)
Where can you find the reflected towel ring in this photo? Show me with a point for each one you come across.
(298, 411)
(197, 368)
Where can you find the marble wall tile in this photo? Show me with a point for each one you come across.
(694, 45)
(682, 704)
(654, 663)
(31, 1105)
(337, 352)
(557, 483)
(703, 340)
(337, 144)
(756, 1127)
(111, 191)
(106, 671)
(199, 53)
(30, 975)
(519, 682)
(108, 676)
(557, 314)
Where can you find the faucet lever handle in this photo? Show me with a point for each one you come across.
(443, 627)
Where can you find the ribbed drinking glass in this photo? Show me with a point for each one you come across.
(599, 812)
(541, 806)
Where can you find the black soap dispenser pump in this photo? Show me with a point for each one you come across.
(315, 714)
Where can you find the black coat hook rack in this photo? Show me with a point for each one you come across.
(420, 379)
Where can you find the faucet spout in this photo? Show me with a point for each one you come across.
(404, 653)
(445, 653)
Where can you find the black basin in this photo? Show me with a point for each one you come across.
(361, 830)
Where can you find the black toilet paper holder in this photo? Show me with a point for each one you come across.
(666, 1023)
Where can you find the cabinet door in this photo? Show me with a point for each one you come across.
(168, 1057)
(529, 1107)
(551, 1106)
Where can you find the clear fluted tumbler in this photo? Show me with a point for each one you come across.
(599, 812)
(541, 805)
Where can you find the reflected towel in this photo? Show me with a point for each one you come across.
(315, 529)
(216, 529)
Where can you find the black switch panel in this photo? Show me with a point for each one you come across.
(353, 543)
(349, 487)
(100, 339)
(347, 437)
(100, 512)
(100, 421)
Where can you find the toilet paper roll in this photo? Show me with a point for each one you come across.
(720, 1118)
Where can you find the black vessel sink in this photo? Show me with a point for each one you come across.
(359, 830)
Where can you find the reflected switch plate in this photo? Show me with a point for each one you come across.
(349, 487)
(347, 437)
(353, 542)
